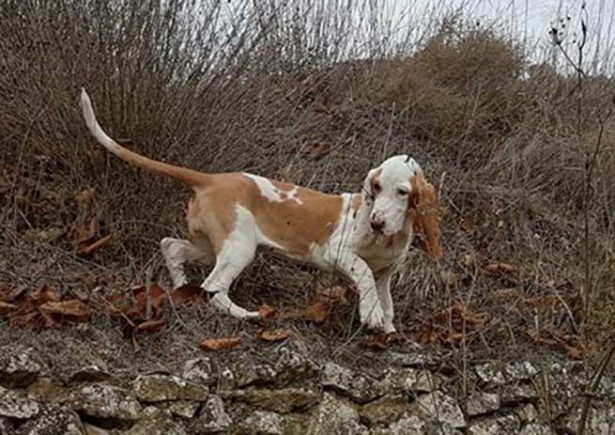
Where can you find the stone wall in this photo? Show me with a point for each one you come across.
(292, 394)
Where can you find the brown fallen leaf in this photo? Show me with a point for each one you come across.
(321, 306)
(272, 336)
(85, 236)
(43, 295)
(557, 340)
(7, 307)
(157, 297)
(27, 319)
(72, 310)
(316, 312)
(503, 268)
(150, 326)
(188, 294)
(267, 312)
(48, 320)
(118, 304)
(428, 335)
(213, 344)
(379, 343)
(99, 244)
(8, 295)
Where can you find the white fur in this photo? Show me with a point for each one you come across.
(272, 193)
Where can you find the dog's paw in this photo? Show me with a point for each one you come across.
(372, 315)
(389, 328)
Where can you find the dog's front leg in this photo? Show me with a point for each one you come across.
(358, 271)
(383, 286)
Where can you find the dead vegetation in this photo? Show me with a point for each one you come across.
(272, 90)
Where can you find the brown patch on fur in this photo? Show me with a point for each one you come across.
(283, 186)
(427, 221)
(293, 225)
(375, 181)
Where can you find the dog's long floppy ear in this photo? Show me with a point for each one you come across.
(427, 221)
(368, 195)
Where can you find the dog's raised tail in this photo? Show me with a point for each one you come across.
(187, 176)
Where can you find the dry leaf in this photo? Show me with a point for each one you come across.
(316, 312)
(99, 244)
(428, 335)
(504, 268)
(118, 304)
(267, 312)
(48, 320)
(188, 294)
(6, 307)
(72, 309)
(321, 306)
(150, 326)
(157, 297)
(379, 342)
(85, 236)
(28, 319)
(7, 295)
(212, 344)
(557, 340)
(278, 335)
(43, 295)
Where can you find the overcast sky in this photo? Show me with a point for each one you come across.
(531, 20)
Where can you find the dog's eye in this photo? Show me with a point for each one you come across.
(402, 192)
(376, 187)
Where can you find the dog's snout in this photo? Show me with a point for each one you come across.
(377, 223)
(377, 226)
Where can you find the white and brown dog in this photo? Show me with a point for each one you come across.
(365, 236)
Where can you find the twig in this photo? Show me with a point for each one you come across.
(148, 292)
(604, 362)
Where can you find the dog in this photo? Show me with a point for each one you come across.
(365, 236)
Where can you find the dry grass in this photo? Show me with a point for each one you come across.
(497, 136)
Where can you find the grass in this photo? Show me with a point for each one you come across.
(266, 90)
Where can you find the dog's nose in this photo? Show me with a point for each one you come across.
(377, 225)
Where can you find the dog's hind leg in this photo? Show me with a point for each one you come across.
(236, 253)
(176, 252)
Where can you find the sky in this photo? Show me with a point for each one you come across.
(530, 21)
(526, 21)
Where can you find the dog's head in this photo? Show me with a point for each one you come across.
(395, 190)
